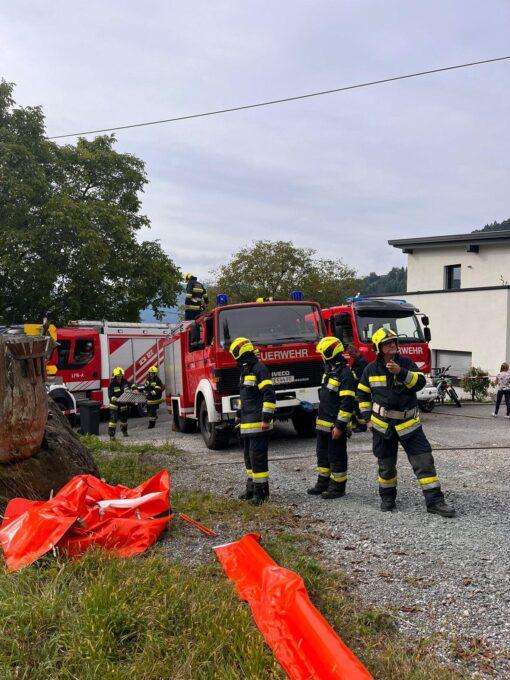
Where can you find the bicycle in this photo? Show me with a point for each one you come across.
(443, 381)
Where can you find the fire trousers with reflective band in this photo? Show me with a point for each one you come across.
(255, 457)
(332, 456)
(418, 450)
(120, 413)
(152, 412)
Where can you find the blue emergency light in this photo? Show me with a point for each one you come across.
(296, 295)
(221, 299)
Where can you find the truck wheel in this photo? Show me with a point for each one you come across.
(214, 438)
(304, 423)
(186, 425)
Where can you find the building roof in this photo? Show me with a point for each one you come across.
(501, 237)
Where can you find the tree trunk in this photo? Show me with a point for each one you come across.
(39, 452)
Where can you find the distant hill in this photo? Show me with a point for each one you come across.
(395, 281)
(495, 226)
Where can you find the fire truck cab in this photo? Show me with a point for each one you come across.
(355, 322)
(202, 378)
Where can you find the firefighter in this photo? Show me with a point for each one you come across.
(118, 384)
(256, 413)
(196, 298)
(336, 405)
(357, 367)
(387, 395)
(153, 389)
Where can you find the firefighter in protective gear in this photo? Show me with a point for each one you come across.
(336, 405)
(153, 388)
(256, 413)
(387, 396)
(118, 412)
(196, 299)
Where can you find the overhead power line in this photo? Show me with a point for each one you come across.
(272, 102)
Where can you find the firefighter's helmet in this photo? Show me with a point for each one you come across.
(118, 372)
(188, 276)
(329, 347)
(153, 369)
(241, 346)
(383, 335)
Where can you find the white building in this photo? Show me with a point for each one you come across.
(462, 283)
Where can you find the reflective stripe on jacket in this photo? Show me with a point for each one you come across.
(153, 388)
(393, 392)
(258, 398)
(336, 397)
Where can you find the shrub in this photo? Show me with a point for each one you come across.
(477, 382)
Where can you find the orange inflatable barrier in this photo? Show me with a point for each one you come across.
(302, 640)
(86, 512)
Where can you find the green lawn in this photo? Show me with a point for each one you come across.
(155, 617)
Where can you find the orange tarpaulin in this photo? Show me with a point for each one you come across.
(86, 512)
(302, 640)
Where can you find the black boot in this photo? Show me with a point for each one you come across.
(152, 423)
(248, 494)
(388, 504)
(321, 485)
(124, 431)
(441, 507)
(334, 490)
(260, 493)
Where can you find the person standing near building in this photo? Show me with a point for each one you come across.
(387, 395)
(503, 385)
(336, 405)
(255, 416)
(196, 298)
(153, 388)
(118, 412)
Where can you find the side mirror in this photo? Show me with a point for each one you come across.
(427, 334)
(425, 320)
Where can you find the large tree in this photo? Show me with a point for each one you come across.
(276, 268)
(395, 281)
(69, 218)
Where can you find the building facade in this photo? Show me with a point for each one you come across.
(462, 282)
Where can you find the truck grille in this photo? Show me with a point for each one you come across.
(285, 376)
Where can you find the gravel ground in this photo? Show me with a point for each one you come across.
(448, 580)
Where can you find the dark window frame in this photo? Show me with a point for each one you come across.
(449, 277)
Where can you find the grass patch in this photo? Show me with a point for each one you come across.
(96, 445)
(152, 618)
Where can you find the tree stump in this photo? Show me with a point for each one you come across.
(39, 452)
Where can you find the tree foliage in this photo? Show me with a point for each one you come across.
(69, 216)
(494, 226)
(276, 268)
(395, 281)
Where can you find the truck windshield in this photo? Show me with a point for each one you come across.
(406, 327)
(270, 324)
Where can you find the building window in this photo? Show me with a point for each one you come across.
(452, 277)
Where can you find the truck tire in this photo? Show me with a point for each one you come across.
(427, 406)
(304, 423)
(186, 425)
(214, 438)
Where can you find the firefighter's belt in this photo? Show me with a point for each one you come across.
(397, 415)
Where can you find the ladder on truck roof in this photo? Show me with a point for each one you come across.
(105, 325)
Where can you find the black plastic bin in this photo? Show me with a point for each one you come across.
(89, 416)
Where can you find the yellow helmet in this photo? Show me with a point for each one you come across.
(118, 372)
(188, 276)
(153, 369)
(240, 346)
(383, 335)
(329, 347)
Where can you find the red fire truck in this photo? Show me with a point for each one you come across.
(356, 321)
(88, 351)
(202, 379)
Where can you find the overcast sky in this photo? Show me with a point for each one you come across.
(341, 173)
